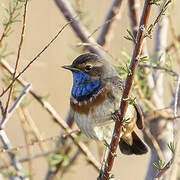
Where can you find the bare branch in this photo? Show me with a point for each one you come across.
(134, 10)
(80, 30)
(112, 12)
(128, 86)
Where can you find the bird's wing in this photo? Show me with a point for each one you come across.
(70, 118)
(117, 82)
(140, 117)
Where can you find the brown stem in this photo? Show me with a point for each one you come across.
(17, 59)
(126, 93)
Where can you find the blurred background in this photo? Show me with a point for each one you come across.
(49, 80)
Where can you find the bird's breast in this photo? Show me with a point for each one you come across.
(84, 107)
(94, 117)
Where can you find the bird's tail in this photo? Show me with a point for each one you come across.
(138, 147)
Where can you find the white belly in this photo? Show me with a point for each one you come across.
(98, 124)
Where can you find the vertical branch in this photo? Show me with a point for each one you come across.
(134, 10)
(112, 12)
(127, 90)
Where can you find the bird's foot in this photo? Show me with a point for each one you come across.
(115, 115)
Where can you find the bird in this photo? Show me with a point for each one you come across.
(96, 96)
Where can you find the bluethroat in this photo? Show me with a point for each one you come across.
(95, 97)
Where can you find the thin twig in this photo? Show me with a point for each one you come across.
(126, 93)
(158, 18)
(17, 59)
(134, 10)
(111, 14)
(159, 68)
(31, 143)
(31, 157)
(36, 57)
(14, 106)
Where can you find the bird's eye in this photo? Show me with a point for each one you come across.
(88, 68)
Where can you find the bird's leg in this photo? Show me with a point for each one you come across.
(115, 115)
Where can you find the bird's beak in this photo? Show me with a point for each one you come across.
(69, 67)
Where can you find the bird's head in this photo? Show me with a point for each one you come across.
(91, 65)
(88, 71)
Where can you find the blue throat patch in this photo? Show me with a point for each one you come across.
(83, 88)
